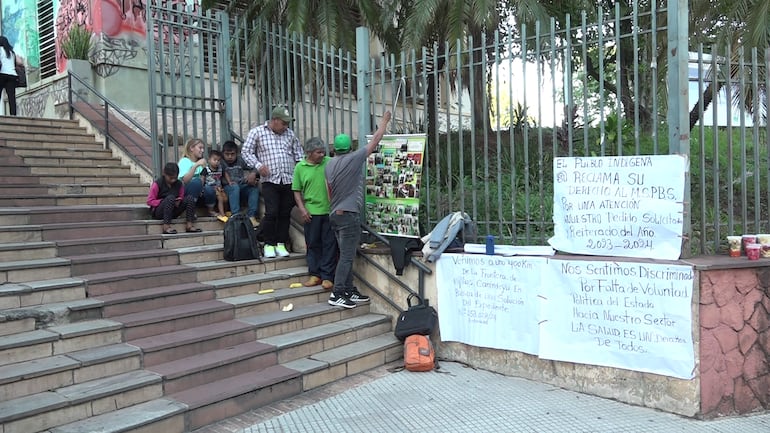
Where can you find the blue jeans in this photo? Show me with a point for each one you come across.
(236, 192)
(347, 230)
(321, 247)
(193, 188)
(209, 196)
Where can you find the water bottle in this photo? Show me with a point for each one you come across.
(490, 245)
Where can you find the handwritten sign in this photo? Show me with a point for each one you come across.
(635, 316)
(628, 206)
(489, 301)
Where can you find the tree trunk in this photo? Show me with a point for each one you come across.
(707, 97)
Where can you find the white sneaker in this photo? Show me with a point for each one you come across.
(269, 251)
(281, 250)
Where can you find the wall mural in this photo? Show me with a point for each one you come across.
(119, 26)
(19, 25)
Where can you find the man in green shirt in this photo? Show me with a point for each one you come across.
(312, 198)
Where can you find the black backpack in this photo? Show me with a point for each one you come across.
(240, 240)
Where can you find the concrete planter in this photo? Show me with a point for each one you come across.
(83, 70)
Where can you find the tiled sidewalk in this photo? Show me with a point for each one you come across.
(462, 399)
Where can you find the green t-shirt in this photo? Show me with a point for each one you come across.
(184, 166)
(309, 179)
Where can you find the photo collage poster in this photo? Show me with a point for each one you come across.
(393, 175)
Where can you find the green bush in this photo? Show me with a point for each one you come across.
(77, 44)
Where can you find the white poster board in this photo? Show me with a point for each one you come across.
(627, 206)
(489, 301)
(635, 316)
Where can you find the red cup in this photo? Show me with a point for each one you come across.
(753, 251)
(748, 239)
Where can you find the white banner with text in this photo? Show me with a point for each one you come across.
(635, 316)
(627, 206)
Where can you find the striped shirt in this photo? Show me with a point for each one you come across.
(279, 152)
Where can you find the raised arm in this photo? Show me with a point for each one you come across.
(379, 133)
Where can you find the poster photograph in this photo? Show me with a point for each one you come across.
(393, 179)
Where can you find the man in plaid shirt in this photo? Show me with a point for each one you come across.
(273, 150)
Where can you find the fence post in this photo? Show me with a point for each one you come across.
(363, 100)
(224, 78)
(678, 102)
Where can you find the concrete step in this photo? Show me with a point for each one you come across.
(204, 368)
(220, 269)
(254, 303)
(59, 339)
(278, 322)
(76, 199)
(334, 364)
(163, 415)
(71, 214)
(122, 260)
(42, 411)
(38, 136)
(70, 231)
(106, 283)
(21, 271)
(24, 123)
(40, 292)
(218, 400)
(162, 348)
(21, 190)
(90, 179)
(79, 151)
(41, 169)
(39, 375)
(83, 246)
(15, 326)
(308, 341)
(27, 251)
(122, 303)
(175, 318)
(103, 161)
(86, 143)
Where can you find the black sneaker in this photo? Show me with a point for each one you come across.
(356, 296)
(341, 301)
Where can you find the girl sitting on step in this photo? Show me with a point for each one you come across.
(167, 200)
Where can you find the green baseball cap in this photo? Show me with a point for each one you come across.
(281, 113)
(342, 143)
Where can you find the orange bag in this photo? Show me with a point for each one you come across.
(418, 353)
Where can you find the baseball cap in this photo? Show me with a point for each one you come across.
(342, 143)
(281, 113)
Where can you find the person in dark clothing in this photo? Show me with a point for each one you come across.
(167, 201)
(8, 77)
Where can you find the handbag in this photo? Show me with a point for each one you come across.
(21, 73)
(419, 318)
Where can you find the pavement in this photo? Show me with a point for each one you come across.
(458, 398)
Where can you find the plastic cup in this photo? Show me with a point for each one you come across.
(765, 253)
(763, 239)
(753, 251)
(748, 239)
(734, 243)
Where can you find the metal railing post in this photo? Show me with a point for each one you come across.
(678, 102)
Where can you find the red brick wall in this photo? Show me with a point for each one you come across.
(734, 341)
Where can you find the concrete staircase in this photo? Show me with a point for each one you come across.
(109, 326)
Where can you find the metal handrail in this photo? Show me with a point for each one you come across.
(421, 270)
(106, 104)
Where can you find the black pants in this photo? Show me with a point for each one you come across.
(279, 200)
(168, 210)
(8, 82)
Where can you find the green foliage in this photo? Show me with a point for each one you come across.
(77, 44)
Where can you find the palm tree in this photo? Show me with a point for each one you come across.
(739, 23)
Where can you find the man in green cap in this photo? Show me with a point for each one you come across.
(345, 179)
(273, 150)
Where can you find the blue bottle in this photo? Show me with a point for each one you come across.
(490, 245)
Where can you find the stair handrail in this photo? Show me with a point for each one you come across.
(422, 269)
(107, 104)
